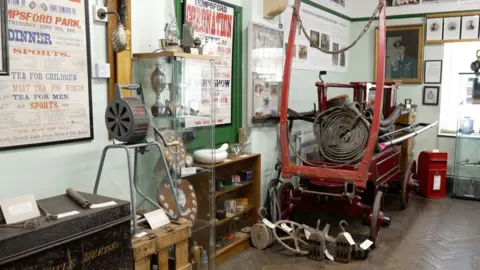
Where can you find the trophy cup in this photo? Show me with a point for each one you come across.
(158, 81)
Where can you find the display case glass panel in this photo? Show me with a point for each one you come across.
(179, 95)
(467, 144)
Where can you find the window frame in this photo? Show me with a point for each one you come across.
(448, 83)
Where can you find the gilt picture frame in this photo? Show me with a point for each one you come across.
(404, 54)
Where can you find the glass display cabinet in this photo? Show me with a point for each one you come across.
(178, 92)
(466, 169)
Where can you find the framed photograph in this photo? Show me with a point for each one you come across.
(430, 95)
(451, 28)
(434, 29)
(4, 53)
(404, 54)
(470, 27)
(395, 3)
(433, 72)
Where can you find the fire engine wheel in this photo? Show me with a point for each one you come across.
(293, 236)
(285, 194)
(407, 184)
(374, 221)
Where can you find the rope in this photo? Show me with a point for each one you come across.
(342, 134)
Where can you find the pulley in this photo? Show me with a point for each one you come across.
(126, 118)
(261, 236)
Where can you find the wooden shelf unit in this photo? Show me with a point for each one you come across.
(250, 190)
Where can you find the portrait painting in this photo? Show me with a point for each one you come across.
(403, 54)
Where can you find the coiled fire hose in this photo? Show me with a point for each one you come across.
(342, 134)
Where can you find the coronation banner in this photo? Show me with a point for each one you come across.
(46, 99)
(213, 23)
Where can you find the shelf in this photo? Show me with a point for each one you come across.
(228, 161)
(232, 245)
(174, 54)
(225, 220)
(227, 190)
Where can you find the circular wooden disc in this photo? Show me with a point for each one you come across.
(261, 236)
(187, 199)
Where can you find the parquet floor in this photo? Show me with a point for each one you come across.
(430, 234)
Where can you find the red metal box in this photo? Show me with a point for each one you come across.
(432, 174)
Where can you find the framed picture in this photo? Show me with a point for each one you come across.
(395, 3)
(433, 72)
(470, 27)
(451, 28)
(430, 95)
(404, 54)
(58, 107)
(4, 53)
(434, 29)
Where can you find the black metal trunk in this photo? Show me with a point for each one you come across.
(94, 239)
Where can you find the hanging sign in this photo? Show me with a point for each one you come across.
(213, 24)
(46, 98)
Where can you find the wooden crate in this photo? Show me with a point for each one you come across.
(158, 241)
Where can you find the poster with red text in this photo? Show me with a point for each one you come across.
(46, 98)
(213, 23)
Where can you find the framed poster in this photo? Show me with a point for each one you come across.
(265, 70)
(213, 22)
(433, 72)
(4, 53)
(325, 31)
(46, 99)
(430, 95)
(404, 54)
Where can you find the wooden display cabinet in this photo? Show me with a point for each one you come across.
(208, 204)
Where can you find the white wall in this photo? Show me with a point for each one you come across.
(48, 171)
(364, 8)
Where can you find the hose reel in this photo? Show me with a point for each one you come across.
(126, 118)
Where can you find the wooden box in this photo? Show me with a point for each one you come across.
(93, 239)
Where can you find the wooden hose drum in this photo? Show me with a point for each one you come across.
(126, 118)
(186, 199)
(261, 236)
(174, 155)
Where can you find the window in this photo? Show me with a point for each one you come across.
(456, 88)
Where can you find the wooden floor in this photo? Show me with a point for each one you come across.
(430, 234)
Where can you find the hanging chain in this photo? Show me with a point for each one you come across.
(365, 29)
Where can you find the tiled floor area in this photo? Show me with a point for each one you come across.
(430, 234)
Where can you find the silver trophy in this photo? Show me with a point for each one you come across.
(158, 81)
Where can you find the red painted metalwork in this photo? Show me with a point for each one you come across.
(360, 175)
